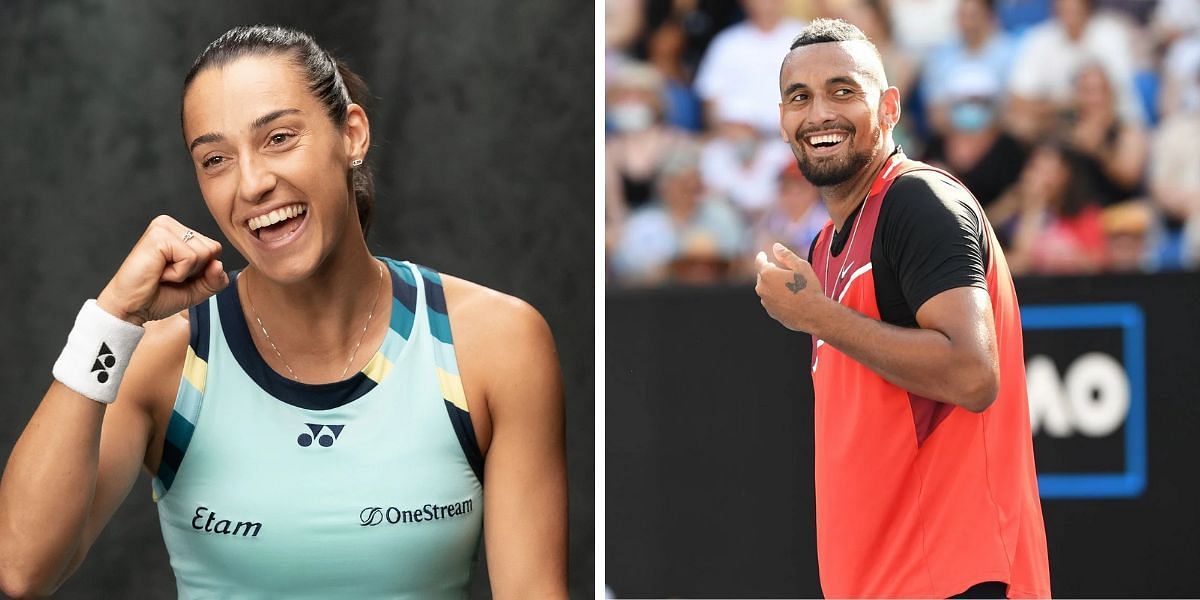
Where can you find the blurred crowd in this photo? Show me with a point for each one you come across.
(1076, 123)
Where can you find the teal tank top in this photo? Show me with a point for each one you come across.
(365, 488)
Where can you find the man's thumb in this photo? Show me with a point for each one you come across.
(787, 257)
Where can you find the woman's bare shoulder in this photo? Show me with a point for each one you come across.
(483, 314)
(504, 346)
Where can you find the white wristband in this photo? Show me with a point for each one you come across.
(97, 353)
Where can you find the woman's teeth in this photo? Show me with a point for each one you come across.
(275, 216)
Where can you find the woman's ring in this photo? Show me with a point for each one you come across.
(187, 235)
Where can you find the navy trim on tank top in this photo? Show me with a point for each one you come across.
(316, 396)
(198, 337)
(179, 428)
(439, 327)
(464, 429)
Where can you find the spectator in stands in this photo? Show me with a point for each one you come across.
(1017, 16)
(700, 261)
(975, 148)
(701, 21)
(1128, 228)
(685, 227)
(665, 50)
(741, 65)
(1175, 31)
(1055, 228)
(794, 219)
(741, 165)
(1109, 150)
(1174, 182)
(979, 47)
(899, 65)
(1050, 55)
(623, 24)
(1174, 19)
(1180, 86)
(919, 26)
(640, 140)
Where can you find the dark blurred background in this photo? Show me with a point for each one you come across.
(483, 153)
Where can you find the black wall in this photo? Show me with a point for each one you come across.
(482, 147)
(709, 447)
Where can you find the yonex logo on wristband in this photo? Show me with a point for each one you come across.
(104, 361)
(103, 341)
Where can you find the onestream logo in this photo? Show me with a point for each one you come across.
(377, 515)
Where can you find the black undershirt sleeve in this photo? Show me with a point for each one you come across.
(930, 238)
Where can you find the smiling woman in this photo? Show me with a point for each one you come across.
(364, 383)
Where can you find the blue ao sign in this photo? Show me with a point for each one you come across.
(1086, 373)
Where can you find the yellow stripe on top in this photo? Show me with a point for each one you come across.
(378, 367)
(195, 370)
(452, 389)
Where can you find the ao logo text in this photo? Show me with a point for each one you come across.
(1091, 397)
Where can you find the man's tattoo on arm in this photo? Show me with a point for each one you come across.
(798, 283)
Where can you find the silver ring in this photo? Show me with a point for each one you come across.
(187, 235)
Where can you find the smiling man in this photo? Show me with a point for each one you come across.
(319, 424)
(925, 481)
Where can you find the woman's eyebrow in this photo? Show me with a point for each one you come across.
(258, 123)
(264, 120)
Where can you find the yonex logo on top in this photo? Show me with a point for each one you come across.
(104, 361)
(325, 440)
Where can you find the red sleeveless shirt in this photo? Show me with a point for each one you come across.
(917, 498)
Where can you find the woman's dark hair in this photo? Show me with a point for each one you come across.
(333, 84)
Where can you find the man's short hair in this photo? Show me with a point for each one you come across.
(823, 31)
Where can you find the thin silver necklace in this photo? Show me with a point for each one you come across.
(354, 352)
(849, 247)
(862, 208)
